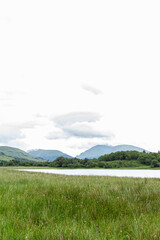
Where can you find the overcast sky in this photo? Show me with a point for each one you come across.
(74, 74)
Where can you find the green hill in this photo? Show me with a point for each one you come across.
(10, 153)
(4, 158)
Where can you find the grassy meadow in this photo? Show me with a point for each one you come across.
(40, 206)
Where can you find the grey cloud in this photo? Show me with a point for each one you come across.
(79, 132)
(57, 135)
(91, 89)
(77, 125)
(85, 132)
(74, 117)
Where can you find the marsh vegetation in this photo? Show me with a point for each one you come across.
(45, 206)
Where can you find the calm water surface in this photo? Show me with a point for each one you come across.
(100, 172)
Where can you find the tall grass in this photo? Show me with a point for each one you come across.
(41, 206)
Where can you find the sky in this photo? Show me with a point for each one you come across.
(74, 74)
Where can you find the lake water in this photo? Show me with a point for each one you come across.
(100, 172)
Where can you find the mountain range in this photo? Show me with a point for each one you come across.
(100, 150)
(48, 155)
(94, 152)
(10, 153)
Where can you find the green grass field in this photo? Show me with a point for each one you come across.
(39, 206)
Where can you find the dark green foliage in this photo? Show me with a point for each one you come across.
(113, 160)
(155, 163)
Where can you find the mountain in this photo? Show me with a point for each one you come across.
(100, 150)
(10, 153)
(49, 155)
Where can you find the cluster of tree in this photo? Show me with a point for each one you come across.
(113, 160)
(24, 163)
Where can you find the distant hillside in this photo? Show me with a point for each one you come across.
(49, 155)
(10, 153)
(100, 150)
(4, 158)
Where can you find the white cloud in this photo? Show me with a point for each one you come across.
(13, 131)
(110, 46)
(91, 89)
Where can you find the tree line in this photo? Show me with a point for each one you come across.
(120, 159)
